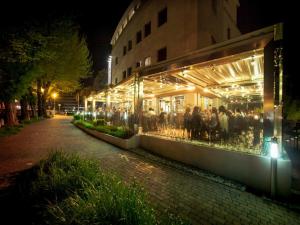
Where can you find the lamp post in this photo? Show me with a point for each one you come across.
(54, 95)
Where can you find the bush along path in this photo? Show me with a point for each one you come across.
(120, 132)
(66, 189)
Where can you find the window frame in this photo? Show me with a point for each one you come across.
(159, 57)
(162, 17)
(139, 36)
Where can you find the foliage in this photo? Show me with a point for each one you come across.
(293, 110)
(7, 131)
(99, 122)
(66, 57)
(76, 117)
(66, 189)
(121, 132)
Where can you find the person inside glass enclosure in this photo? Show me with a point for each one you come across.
(223, 119)
(162, 120)
(205, 115)
(196, 123)
(214, 124)
(257, 124)
(187, 122)
(151, 119)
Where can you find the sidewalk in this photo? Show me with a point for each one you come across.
(201, 200)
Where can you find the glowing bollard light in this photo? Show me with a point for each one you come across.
(274, 153)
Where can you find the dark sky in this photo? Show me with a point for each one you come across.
(98, 18)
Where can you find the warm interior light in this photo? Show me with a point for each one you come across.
(191, 88)
(54, 95)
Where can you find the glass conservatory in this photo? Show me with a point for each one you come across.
(227, 97)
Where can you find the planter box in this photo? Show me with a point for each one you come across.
(252, 170)
(129, 143)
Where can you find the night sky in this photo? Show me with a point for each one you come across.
(99, 18)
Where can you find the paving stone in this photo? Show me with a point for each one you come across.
(200, 196)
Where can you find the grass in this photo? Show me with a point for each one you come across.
(7, 131)
(66, 189)
(120, 132)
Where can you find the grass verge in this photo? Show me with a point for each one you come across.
(66, 189)
(7, 131)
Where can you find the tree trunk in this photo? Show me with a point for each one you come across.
(44, 104)
(44, 98)
(33, 109)
(24, 108)
(32, 103)
(10, 114)
(39, 98)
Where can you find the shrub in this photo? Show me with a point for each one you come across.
(99, 122)
(77, 117)
(70, 190)
(85, 124)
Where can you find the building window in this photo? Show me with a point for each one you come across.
(147, 29)
(124, 50)
(124, 74)
(162, 17)
(116, 80)
(129, 45)
(162, 54)
(129, 70)
(228, 33)
(116, 60)
(138, 37)
(138, 64)
(148, 61)
(213, 40)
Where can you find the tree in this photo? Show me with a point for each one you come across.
(66, 61)
(52, 54)
(18, 49)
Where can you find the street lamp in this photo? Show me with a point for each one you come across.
(54, 95)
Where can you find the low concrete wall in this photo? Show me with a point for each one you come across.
(254, 171)
(119, 142)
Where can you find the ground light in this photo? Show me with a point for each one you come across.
(274, 153)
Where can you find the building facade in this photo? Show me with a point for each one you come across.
(153, 31)
(198, 91)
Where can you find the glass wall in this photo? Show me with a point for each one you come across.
(219, 104)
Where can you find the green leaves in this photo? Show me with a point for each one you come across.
(53, 52)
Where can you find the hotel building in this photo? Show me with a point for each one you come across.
(195, 90)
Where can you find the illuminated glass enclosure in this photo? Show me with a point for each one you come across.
(228, 97)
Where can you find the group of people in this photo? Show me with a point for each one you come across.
(211, 124)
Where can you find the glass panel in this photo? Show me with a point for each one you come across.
(219, 105)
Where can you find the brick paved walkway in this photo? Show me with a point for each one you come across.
(201, 200)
